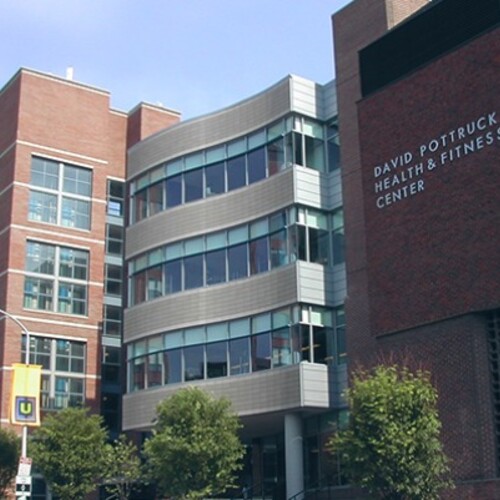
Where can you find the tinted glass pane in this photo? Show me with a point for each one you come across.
(193, 272)
(214, 178)
(172, 362)
(154, 277)
(278, 247)
(155, 198)
(193, 363)
(155, 369)
(139, 287)
(239, 355)
(216, 267)
(318, 246)
(261, 352)
(259, 256)
(281, 344)
(173, 276)
(174, 191)
(275, 157)
(238, 261)
(193, 185)
(315, 153)
(140, 205)
(217, 360)
(338, 246)
(236, 177)
(323, 346)
(256, 165)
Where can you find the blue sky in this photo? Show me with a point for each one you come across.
(194, 56)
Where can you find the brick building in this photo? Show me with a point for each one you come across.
(419, 116)
(62, 169)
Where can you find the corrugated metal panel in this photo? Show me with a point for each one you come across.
(208, 130)
(213, 304)
(286, 389)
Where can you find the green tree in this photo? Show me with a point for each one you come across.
(195, 449)
(392, 445)
(122, 468)
(10, 450)
(69, 449)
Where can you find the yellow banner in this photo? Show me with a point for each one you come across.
(25, 399)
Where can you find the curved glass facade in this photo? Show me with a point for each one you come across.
(297, 233)
(247, 345)
(295, 140)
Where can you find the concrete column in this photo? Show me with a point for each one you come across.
(294, 456)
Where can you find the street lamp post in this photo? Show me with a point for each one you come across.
(24, 442)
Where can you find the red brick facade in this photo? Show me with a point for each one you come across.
(422, 216)
(72, 123)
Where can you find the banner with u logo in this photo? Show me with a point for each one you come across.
(25, 399)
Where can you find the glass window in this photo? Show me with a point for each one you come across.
(116, 197)
(113, 280)
(214, 178)
(140, 205)
(236, 176)
(77, 181)
(43, 207)
(112, 320)
(40, 258)
(278, 247)
(59, 357)
(333, 145)
(315, 153)
(138, 380)
(72, 299)
(256, 165)
(318, 245)
(275, 156)
(216, 267)
(297, 243)
(114, 239)
(217, 359)
(239, 355)
(155, 369)
(173, 276)
(58, 178)
(322, 343)
(193, 185)
(139, 287)
(155, 198)
(75, 213)
(73, 263)
(172, 362)
(38, 294)
(237, 257)
(193, 272)
(261, 352)
(173, 186)
(44, 173)
(338, 241)
(40, 351)
(154, 281)
(282, 352)
(259, 255)
(340, 334)
(193, 363)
